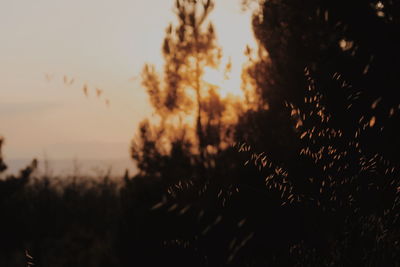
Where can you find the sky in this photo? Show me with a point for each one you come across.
(99, 44)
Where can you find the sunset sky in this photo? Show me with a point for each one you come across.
(100, 43)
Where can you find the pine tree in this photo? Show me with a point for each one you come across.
(190, 110)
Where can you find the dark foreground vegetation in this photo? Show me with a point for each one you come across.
(304, 173)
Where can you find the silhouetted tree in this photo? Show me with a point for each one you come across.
(348, 49)
(192, 115)
(3, 166)
(325, 73)
(187, 49)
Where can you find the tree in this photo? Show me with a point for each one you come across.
(348, 49)
(3, 166)
(328, 72)
(191, 113)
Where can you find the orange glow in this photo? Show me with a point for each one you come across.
(227, 83)
(234, 33)
(52, 48)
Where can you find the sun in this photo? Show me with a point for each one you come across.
(233, 44)
(227, 83)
